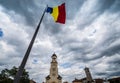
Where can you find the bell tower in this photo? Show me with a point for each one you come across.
(54, 77)
(88, 75)
(54, 68)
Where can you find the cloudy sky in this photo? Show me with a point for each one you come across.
(90, 37)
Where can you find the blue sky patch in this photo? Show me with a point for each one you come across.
(66, 65)
(1, 32)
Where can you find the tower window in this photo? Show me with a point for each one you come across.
(53, 69)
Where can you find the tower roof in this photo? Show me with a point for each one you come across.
(86, 68)
(54, 55)
(48, 77)
(59, 77)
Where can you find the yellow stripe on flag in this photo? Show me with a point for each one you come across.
(55, 13)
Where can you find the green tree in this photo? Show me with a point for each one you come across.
(7, 76)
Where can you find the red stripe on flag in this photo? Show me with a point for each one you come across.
(62, 14)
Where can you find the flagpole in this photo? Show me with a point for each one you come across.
(23, 63)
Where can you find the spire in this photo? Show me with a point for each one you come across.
(54, 57)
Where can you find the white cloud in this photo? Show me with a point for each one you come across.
(79, 43)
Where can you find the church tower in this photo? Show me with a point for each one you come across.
(88, 75)
(54, 77)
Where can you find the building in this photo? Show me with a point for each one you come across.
(77, 81)
(87, 79)
(31, 81)
(83, 80)
(114, 80)
(65, 82)
(54, 77)
(99, 80)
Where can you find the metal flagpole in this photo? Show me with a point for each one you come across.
(21, 68)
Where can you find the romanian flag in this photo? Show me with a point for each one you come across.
(58, 13)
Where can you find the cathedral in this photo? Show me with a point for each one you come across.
(54, 77)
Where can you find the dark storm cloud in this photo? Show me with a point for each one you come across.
(113, 69)
(24, 7)
(105, 5)
(106, 52)
(72, 7)
(19, 45)
(111, 51)
(32, 12)
(114, 74)
(115, 62)
(98, 9)
(53, 29)
(111, 39)
(101, 73)
(2, 64)
(115, 7)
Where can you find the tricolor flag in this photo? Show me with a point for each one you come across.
(58, 13)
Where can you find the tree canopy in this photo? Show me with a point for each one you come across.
(7, 75)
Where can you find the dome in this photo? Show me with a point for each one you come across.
(54, 56)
